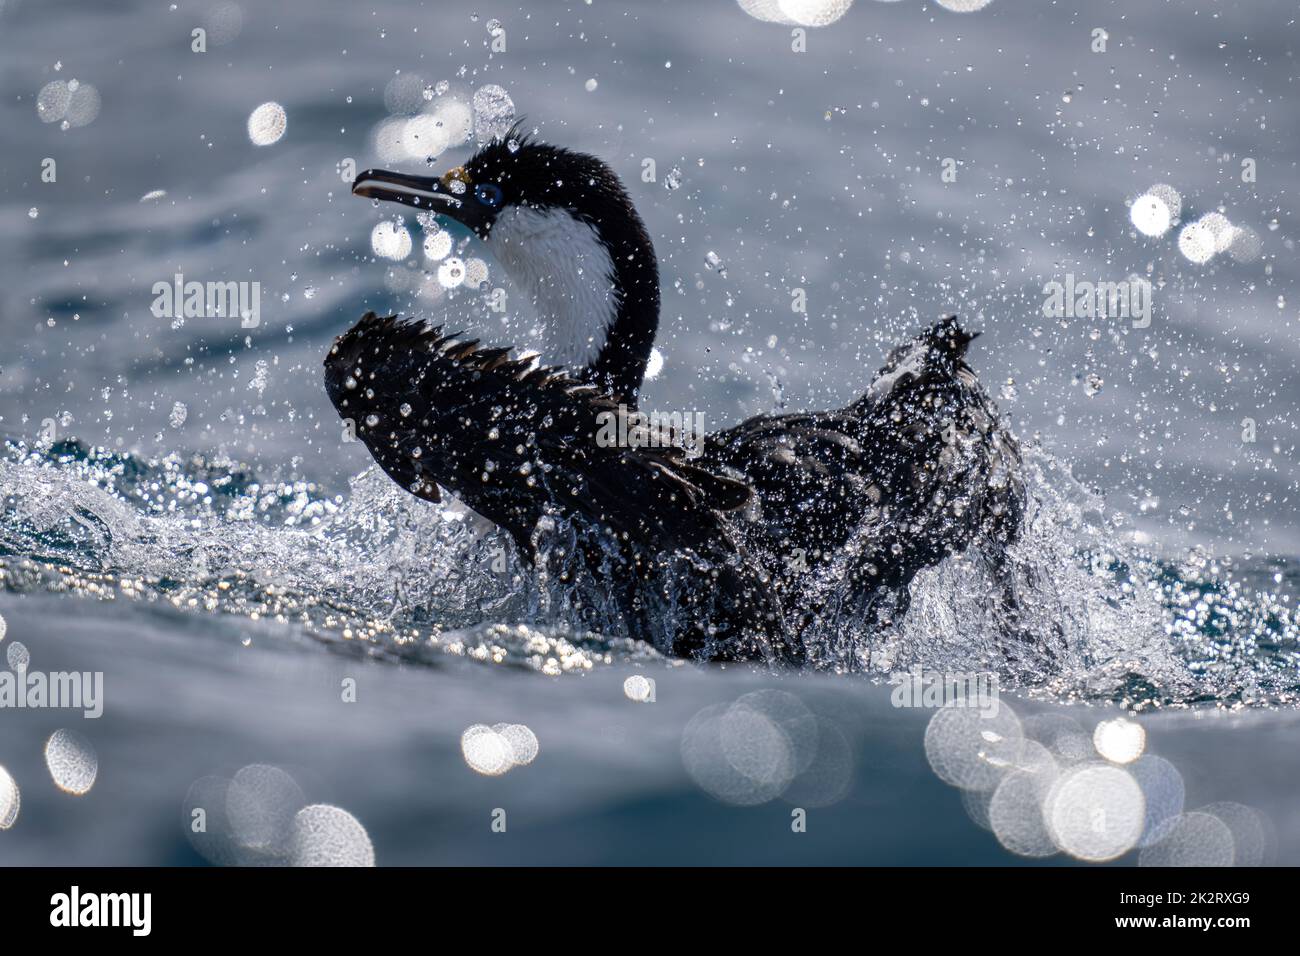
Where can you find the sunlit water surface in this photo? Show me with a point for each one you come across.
(323, 669)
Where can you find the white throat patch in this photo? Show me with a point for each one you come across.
(560, 262)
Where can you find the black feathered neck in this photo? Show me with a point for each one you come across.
(540, 175)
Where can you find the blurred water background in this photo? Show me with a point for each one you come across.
(227, 562)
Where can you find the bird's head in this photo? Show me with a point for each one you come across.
(512, 172)
(564, 228)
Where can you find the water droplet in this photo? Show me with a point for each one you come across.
(72, 762)
(267, 124)
(451, 273)
(10, 800)
(390, 240)
(494, 112)
(714, 262)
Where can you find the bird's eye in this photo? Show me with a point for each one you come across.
(489, 194)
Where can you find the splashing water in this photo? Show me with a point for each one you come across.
(494, 112)
(382, 573)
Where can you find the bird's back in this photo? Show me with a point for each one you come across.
(920, 467)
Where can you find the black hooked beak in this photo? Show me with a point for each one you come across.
(425, 192)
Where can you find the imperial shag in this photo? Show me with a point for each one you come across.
(782, 523)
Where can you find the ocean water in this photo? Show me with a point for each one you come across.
(278, 626)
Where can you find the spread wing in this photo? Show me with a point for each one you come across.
(505, 435)
(515, 442)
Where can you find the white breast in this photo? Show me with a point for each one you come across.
(559, 262)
